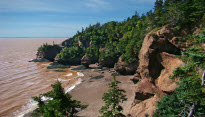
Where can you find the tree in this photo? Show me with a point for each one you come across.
(112, 100)
(56, 103)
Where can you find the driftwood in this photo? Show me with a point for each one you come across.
(202, 84)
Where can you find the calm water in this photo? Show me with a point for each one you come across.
(20, 80)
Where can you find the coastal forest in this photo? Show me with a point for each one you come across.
(174, 30)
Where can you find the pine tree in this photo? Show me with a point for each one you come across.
(112, 100)
(56, 103)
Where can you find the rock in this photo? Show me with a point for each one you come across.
(146, 97)
(39, 60)
(50, 53)
(157, 60)
(169, 62)
(149, 56)
(126, 68)
(86, 61)
(108, 62)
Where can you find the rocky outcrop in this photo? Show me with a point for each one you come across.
(126, 68)
(173, 36)
(149, 57)
(108, 62)
(157, 60)
(81, 42)
(169, 62)
(146, 96)
(50, 53)
(86, 61)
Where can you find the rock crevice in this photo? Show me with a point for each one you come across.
(157, 60)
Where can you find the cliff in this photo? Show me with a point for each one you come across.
(157, 60)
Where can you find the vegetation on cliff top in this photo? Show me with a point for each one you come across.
(115, 39)
(125, 38)
(190, 92)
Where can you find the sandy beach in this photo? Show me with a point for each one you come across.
(94, 85)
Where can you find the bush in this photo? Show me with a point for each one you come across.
(68, 55)
(45, 47)
(56, 103)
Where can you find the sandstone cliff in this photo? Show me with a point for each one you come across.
(157, 60)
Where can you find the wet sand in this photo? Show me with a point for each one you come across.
(90, 91)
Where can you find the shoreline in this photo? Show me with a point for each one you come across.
(32, 105)
(90, 87)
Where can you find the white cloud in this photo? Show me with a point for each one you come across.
(97, 4)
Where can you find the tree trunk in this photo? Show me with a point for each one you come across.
(191, 113)
(202, 84)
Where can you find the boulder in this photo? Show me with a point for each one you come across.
(49, 54)
(126, 68)
(86, 61)
(107, 62)
(146, 97)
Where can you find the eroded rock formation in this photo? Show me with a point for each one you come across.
(108, 62)
(126, 68)
(157, 60)
(49, 54)
(86, 61)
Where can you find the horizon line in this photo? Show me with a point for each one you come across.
(34, 37)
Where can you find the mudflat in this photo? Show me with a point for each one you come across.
(95, 84)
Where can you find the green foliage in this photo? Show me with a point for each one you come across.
(183, 71)
(189, 90)
(45, 47)
(110, 51)
(112, 100)
(57, 103)
(196, 56)
(68, 54)
(178, 13)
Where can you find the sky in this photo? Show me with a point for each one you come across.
(62, 18)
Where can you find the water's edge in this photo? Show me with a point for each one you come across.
(32, 105)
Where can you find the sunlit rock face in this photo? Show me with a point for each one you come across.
(157, 60)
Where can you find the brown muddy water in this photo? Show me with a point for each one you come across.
(20, 80)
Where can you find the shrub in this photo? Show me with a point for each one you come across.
(56, 103)
(112, 100)
(68, 55)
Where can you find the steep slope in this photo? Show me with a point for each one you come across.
(157, 60)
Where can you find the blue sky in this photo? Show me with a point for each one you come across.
(62, 18)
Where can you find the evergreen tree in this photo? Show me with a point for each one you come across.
(112, 100)
(56, 103)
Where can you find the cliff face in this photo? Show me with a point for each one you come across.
(157, 60)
